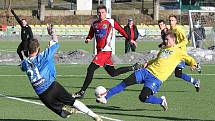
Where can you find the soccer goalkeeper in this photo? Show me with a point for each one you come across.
(40, 69)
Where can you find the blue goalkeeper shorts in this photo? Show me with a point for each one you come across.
(144, 76)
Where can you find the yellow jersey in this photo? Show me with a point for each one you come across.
(181, 39)
(167, 60)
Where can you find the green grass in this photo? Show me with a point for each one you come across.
(143, 46)
(184, 103)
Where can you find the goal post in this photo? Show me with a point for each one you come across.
(206, 18)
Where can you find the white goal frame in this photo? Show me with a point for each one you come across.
(191, 22)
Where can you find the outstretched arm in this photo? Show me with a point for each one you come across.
(120, 30)
(16, 17)
(190, 61)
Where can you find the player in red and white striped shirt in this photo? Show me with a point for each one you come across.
(102, 29)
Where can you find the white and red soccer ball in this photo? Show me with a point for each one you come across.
(100, 91)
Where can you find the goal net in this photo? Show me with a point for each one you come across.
(206, 19)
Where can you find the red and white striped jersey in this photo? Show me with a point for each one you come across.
(103, 32)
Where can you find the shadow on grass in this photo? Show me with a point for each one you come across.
(116, 108)
(158, 117)
(23, 120)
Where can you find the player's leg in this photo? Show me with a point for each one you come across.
(186, 77)
(115, 72)
(133, 47)
(150, 88)
(118, 88)
(67, 99)
(127, 46)
(25, 48)
(49, 99)
(88, 79)
(98, 61)
(19, 51)
(200, 44)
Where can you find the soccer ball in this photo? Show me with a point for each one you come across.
(100, 91)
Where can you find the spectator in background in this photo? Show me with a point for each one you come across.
(132, 32)
(199, 34)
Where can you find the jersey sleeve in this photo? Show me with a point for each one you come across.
(188, 59)
(120, 30)
(91, 33)
(49, 52)
(23, 66)
(16, 17)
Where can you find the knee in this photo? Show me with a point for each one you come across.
(112, 74)
(178, 72)
(92, 67)
(142, 98)
(89, 69)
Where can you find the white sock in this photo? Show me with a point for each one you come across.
(83, 108)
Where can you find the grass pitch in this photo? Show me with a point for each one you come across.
(184, 103)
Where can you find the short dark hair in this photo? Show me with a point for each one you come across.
(23, 19)
(33, 46)
(173, 16)
(101, 7)
(159, 21)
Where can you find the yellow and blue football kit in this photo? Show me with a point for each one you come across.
(157, 71)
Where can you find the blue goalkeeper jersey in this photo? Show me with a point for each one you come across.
(41, 69)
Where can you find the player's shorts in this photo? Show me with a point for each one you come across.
(181, 65)
(103, 58)
(144, 76)
(55, 97)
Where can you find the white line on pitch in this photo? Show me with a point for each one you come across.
(38, 103)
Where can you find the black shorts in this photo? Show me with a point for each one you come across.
(55, 97)
(23, 46)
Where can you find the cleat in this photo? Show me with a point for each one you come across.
(67, 111)
(198, 68)
(136, 66)
(101, 100)
(78, 95)
(98, 118)
(197, 85)
(164, 103)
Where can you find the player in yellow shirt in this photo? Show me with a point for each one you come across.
(181, 42)
(154, 74)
